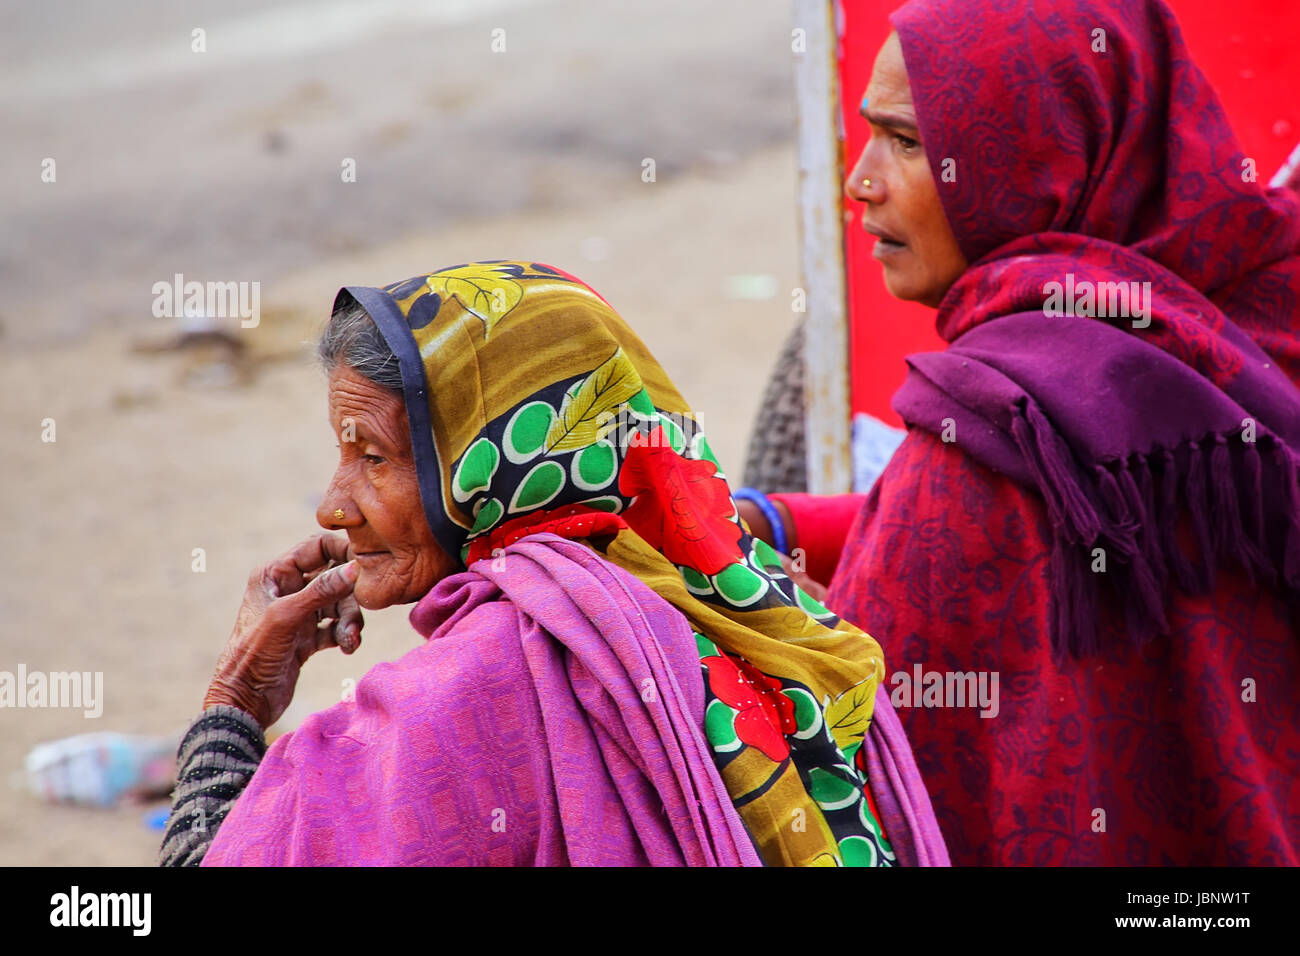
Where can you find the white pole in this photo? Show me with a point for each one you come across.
(826, 330)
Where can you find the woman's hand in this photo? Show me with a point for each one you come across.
(294, 606)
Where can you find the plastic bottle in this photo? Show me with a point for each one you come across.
(100, 768)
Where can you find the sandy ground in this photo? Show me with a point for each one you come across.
(225, 165)
(101, 524)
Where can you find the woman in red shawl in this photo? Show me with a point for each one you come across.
(1097, 498)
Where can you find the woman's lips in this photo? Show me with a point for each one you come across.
(886, 244)
(884, 248)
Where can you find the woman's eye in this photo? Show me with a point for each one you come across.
(906, 142)
(373, 459)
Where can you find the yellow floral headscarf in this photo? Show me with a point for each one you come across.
(533, 406)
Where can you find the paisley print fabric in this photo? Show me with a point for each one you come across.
(1165, 384)
(1148, 707)
(1081, 132)
(1188, 746)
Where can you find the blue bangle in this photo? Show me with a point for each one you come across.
(769, 512)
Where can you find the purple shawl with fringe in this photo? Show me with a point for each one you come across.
(1125, 443)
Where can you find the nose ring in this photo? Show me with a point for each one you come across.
(867, 183)
(338, 514)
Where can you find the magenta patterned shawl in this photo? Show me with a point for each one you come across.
(554, 716)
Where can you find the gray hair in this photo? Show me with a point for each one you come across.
(352, 339)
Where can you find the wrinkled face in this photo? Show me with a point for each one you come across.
(915, 244)
(376, 488)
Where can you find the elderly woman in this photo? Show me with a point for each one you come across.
(614, 670)
(1097, 497)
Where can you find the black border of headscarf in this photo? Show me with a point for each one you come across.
(392, 325)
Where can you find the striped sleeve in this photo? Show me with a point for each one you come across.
(217, 757)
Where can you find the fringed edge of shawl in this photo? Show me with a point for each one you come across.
(1130, 509)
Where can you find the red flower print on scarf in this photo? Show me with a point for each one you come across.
(765, 714)
(683, 509)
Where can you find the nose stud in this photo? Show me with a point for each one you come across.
(867, 183)
(338, 514)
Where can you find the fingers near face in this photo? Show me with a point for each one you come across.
(292, 570)
(348, 622)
